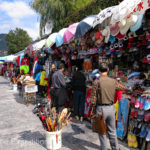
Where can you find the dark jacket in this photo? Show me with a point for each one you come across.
(78, 82)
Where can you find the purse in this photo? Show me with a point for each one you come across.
(98, 123)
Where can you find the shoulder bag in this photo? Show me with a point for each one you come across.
(98, 123)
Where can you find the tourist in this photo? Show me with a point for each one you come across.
(79, 88)
(107, 88)
(59, 85)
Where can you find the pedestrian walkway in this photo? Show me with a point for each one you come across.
(20, 129)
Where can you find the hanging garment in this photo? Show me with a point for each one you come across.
(87, 103)
(37, 77)
(42, 81)
(25, 68)
(122, 118)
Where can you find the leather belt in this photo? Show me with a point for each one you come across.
(104, 104)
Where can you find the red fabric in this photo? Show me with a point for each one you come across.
(87, 103)
(25, 61)
(117, 96)
(18, 60)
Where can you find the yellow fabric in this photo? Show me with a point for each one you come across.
(132, 141)
(25, 68)
(117, 109)
(42, 81)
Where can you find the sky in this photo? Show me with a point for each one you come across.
(18, 13)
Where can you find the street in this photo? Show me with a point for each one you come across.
(20, 129)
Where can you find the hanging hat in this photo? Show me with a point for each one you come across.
(112, 39)
(120, 36)
(126, 23)
(114, 29)
(138, 24)
(106, 33)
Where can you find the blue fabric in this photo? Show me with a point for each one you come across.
(79, 98)
(21, 57)
(122, 117)
(37, 77)
(133, 74)
(112, 39)
(83, 27)
(59, 40)
(38, 67)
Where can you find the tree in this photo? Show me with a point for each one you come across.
(56, 11)
(17, 40)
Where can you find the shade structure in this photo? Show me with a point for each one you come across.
(59, 37)
(103, 15)
(124, 9)
(84, 25)
(51, 40)
(70, 32)
(39, 45)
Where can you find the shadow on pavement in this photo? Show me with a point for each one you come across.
(74, 143)
(33, 137)
(19, 99)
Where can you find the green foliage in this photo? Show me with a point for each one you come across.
(65, 12)
(56, 11)
(17, 40)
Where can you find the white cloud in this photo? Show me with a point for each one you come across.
(34, 31)
(17, 9)
(19, 14)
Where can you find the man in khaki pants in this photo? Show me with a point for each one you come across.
(104, 104)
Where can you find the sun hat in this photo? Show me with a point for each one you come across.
(106, 33)
(120, 36)
(114, 29)
(138, 24)
(126, 23)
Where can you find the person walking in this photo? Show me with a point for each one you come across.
(59, 85)
(106, 87)
(79, 88)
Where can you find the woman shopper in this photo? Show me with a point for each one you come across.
(105, 87)
(79, 88)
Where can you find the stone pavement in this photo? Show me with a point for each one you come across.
(20, 129)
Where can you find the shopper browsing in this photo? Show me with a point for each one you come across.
(59, 85)
(105, 87)
(79, 88)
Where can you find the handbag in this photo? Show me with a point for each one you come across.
(98, 123)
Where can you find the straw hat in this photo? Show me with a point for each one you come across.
(106, 33)
(126, 23)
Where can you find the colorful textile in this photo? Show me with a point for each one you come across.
(42, 81)
(25, 61)
(25, 68)
(37, 77)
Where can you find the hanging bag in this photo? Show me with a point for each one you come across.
(98, 123)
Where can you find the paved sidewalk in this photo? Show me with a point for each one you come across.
(20, 129)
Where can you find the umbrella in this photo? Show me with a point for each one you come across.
(59, 37)
(70, 32)
(103, 15)
(51, 40)
(84, 25)
(124, 9)
(39, 45)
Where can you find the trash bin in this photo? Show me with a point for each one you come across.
(54, 140)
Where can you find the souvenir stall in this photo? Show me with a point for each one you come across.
(119, 36)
